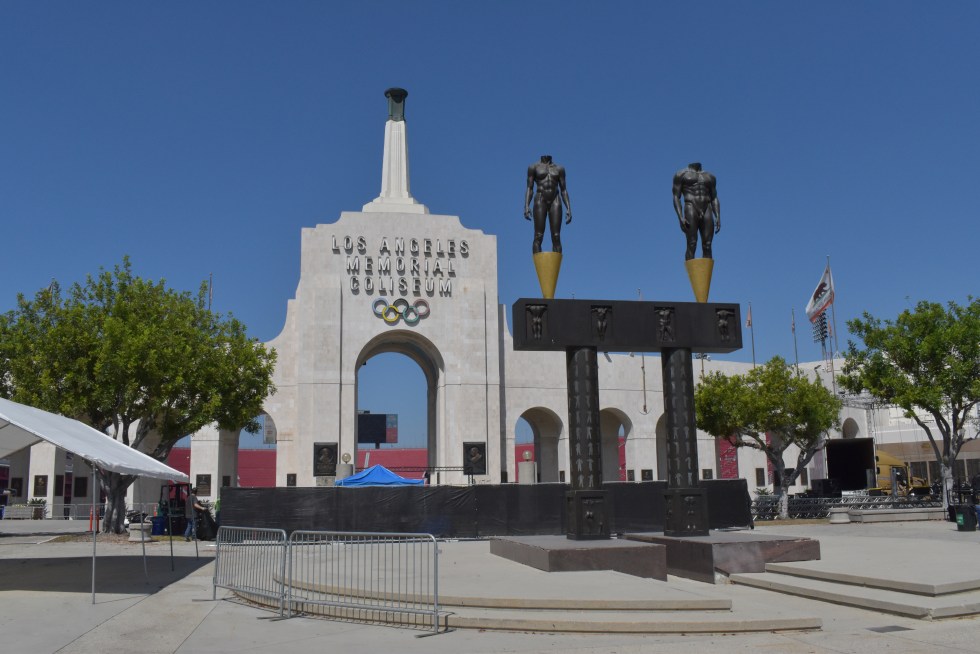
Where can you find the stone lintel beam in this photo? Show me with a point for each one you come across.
(626, 326)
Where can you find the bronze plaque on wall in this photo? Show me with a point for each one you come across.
(474, 458)
(204, 485)
(324, 459)
(40, 485)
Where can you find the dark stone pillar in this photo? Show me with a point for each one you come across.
(686, 505)
(586, 507)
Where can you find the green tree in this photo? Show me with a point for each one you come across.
(927, 362)
(769, 409)
(131, 357)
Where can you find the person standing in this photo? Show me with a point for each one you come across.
(191, 506)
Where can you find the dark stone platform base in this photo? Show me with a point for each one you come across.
(559, 554)
(587, 513)
(687, 512)
(728, 552)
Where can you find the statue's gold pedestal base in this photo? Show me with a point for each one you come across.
(547, 265)
(699, 272)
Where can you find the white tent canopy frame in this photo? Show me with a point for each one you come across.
(22, 426)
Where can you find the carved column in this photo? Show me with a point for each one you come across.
(586, 513)
(686, 505)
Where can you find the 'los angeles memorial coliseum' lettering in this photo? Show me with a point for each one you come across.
(406, 266)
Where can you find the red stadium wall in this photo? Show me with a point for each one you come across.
(256, 468)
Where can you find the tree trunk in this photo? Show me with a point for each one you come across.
(781, 490)
(115, 505)
(947, 476)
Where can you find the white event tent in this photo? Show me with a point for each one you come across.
(22, 426)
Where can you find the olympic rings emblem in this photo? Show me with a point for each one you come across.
(400, 309)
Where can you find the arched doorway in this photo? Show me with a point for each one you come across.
(247, 459)
(546, 428)
(394, 386)
(256, 460)
(614, 429)
(402, 375)
(850, 428)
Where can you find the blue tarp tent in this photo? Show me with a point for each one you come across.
(378, 476)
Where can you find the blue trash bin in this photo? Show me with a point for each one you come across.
(159, 525)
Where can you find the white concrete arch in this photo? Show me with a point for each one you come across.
(547, 428)
(850, 428)
(611, 422)
(229, 454)
(429, 359)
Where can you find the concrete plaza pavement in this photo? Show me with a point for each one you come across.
(45, 605)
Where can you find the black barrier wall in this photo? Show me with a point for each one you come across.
(465, 511)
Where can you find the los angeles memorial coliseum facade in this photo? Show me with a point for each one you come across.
(395, 278)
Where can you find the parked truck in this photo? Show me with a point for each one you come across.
(855, 464)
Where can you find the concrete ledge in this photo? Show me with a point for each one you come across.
(702, 557)
(838, 594)
(896, 515)
(559, 554)
(536, 604)
(930, 590)
(873, 599)
(576, 624)
(564, 622)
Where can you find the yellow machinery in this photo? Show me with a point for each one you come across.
(890, 470)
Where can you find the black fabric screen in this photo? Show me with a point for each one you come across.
(465, 511)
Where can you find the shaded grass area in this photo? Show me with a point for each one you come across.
(114, 574)
(115, 538)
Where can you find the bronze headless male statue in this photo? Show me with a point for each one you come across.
(551, 193)
(700, 206)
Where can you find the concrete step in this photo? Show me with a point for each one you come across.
(638, 622)
(898, 585)
(666, 602)
(594, 605)
(573, 621)
(679, 612)
(873, 599)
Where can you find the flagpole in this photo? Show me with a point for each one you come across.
(796, 349)
(752, 332)
(833, 317)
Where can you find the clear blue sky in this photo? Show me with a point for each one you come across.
(201, 138)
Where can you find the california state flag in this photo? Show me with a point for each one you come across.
(823, 296)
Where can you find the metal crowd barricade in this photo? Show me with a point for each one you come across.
(364, 575)
(766, 507)
(80, 511)
(69, 511)
(251, 562)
